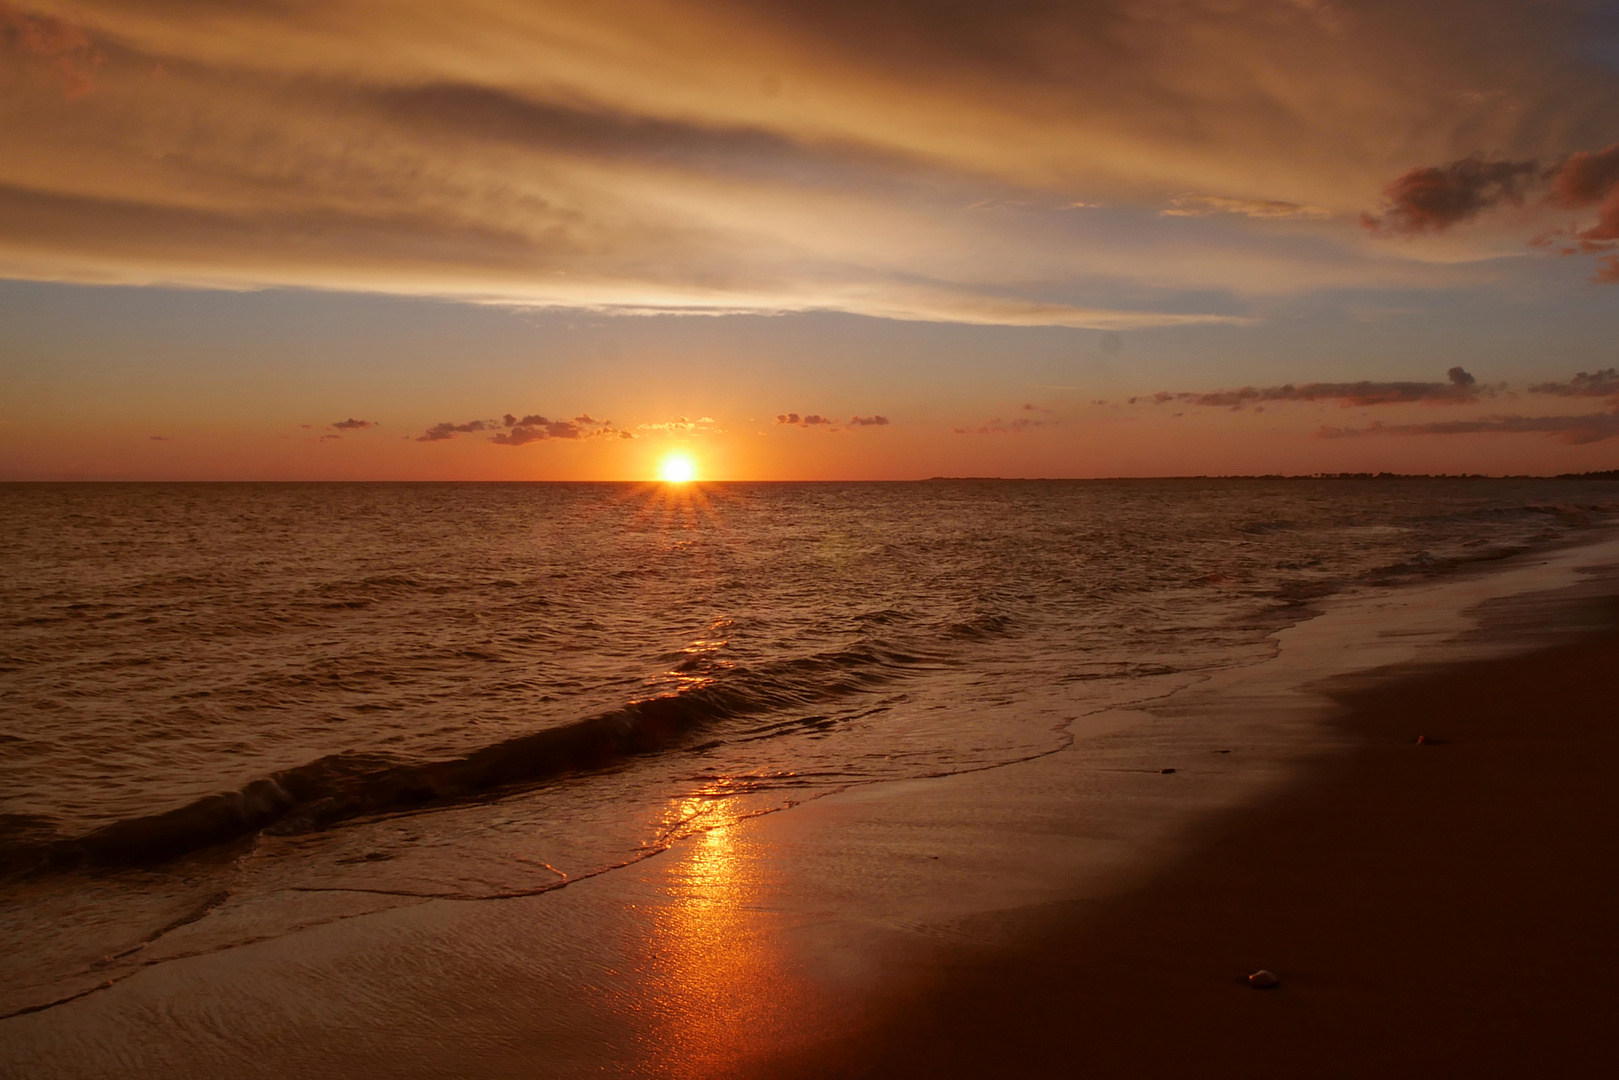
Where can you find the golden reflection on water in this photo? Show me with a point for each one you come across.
(722, 992)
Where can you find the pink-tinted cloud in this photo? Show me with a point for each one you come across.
(868, 421)
(1433, 198)
(1575, 430)
(1590, 179)
(1460, 389)
(352, 424)
(66, 50)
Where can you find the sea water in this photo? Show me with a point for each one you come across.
(228, 711)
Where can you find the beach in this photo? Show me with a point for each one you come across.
(1430, 908)
(1434, 909)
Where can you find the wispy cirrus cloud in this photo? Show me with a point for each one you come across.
(1265, 209)
(705, 157)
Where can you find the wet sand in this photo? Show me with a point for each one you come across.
(1432, 910)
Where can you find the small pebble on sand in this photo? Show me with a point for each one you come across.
(1264, 980)
(1166, 772)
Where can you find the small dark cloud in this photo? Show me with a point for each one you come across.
(1461, 388)
(352, 424)
(1576, 430)
(328, 437)
(529, 428)
(868, 421)
(537, 428)
(811, 420)
(446, 430)
(1002, 427)
(1603, 384)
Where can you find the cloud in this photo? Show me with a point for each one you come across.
(352, 424)
(447, 430)
(536, 428)
(1575, 430)
(868, 421)
(704, 424)
(628, 157)
(1434, 198)
(1587, 179)
(1460, 388)
(1602, 383)
(529, 428)
(1001, 427)
(812, 420)
(1205, 205)
(523, 434)
(66, 49)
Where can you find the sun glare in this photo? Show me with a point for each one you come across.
(677, 469)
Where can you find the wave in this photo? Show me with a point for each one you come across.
(338, 787)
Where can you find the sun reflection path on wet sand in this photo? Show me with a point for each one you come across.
(723, 988)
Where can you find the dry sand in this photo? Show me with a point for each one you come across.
(1438, 910)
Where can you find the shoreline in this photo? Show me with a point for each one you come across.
(766, 943)
(1432, 910)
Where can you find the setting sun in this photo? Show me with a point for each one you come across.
(677, 469)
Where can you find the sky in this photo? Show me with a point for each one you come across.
(806, 239)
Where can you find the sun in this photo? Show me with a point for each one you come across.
(677, 469)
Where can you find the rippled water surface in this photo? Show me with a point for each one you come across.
(227, 709)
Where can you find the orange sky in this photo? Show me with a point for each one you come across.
(226, 227)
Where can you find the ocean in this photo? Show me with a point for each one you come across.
(231, 711)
